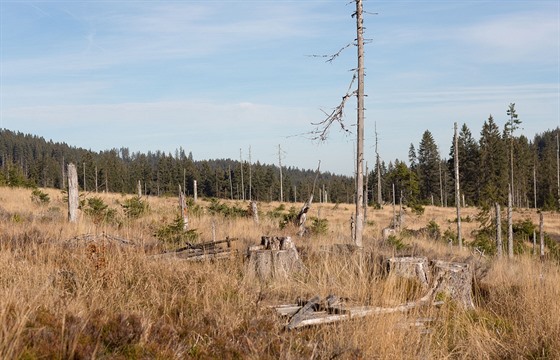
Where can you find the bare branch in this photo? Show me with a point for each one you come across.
(322, 128)
(330, 58)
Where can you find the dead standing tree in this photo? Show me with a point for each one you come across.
(336, 116)
(302, 215)
(73, 197)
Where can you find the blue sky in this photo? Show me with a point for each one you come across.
(218, 76)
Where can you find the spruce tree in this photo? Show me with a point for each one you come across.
(493, 172)
(428, 167)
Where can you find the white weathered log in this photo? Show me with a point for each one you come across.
(73, 197)
(303, 312)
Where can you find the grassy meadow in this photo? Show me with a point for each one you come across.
(66, 298)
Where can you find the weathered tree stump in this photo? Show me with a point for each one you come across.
(276, 257)
(454, 281)
(410, 268)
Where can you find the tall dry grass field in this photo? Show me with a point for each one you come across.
(66, 298)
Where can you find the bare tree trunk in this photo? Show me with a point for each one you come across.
(73, 197)
(498, 231)
(242, 185)
(183, 207)
(534, 242)
(96, 188)
(250, 177)
(394, 221)
(541, 230)
(366, 197)
(457, 188)
(195, 191)
(360, 125)
(379, 198)
(510, 225)
(84, 177)
(535, 185)
(440, 185)
(558, 163)
(280, 166)
(139, 189)
(63, 174)
(231, 184)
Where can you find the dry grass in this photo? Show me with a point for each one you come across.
(102, 300)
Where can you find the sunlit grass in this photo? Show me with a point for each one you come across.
(62, 299)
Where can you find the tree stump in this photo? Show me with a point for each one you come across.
(453, 280)
(276, 257)
(410, 268)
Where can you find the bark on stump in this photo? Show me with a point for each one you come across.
(454, 281)
(276, 257)
(410, 268)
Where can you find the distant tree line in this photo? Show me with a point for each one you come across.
(28, 160)
(485, 171)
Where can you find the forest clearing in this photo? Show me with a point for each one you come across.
(65, 295)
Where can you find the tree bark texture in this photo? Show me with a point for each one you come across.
(275, 258)
(73, 197)
(498, 231)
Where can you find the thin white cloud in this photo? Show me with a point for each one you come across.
(522, 37)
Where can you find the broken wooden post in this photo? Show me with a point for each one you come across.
(302, 216)
(254, 211)
(276, 257)
(410, 268)
(73, 197)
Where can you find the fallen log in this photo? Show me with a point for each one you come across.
(303, 312)
(198, 252)
(451, 280)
